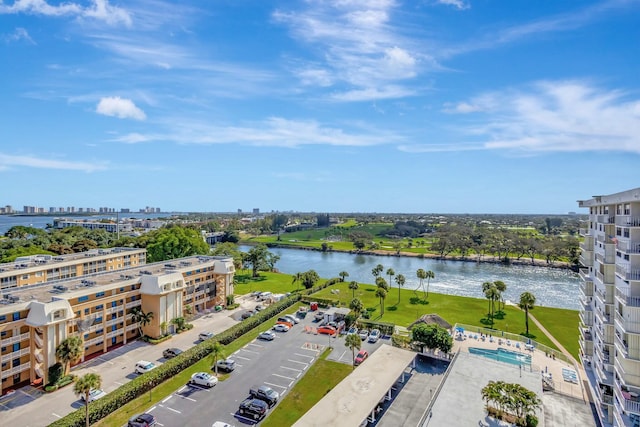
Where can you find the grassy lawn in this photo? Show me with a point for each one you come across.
(276, 283)
(320, 378)
(562, 324)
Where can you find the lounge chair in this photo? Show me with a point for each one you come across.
(518, 345)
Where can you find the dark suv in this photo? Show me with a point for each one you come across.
(254, 408)
(142, 420)
(171, 352)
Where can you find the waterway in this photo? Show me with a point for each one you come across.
(552, 287)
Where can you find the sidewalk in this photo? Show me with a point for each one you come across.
(31, 408)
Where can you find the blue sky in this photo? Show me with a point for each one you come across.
(445, 106)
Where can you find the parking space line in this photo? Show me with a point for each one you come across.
(240, 357)
(291, 369)
(181, 389)
(249, 351)
(257, 345)
(276, 385)
(119, 383)
(242, 417)
(171, 409)
(56, 415)
(188, 398)
(152, 408)
(304, 355)
(282, 376)
(295, 361)
(167, 398)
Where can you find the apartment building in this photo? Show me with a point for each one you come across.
(99, 307)
(610, 314)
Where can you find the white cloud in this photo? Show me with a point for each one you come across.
(17, 35)
(8, 161)
(272, 132)
(122, 108)
(562, 116)
(99, 10)
(358, 46)
(458, 4)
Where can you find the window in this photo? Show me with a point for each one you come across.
(99, 294)
(16, 316)
(3, 318)
(83, 298)
(99, 331)
(16, 347)
(114, 303)
(25, 277)
(99, 307)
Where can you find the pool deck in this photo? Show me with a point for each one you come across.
(540, 362)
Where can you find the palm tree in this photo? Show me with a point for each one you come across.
(354, 342)
(342, 275)
(217, 352)
(353, 286)
(70, 351)
(381, 283)
(297, 278)
(527, 302)
(377, 270)
(485, 288)
(382, 294)
(400, 281)
(429, 275)
(83, 387)
(502, 287)
(357, 306)
(421, 275)
(390, 273)
(141, 318)
(492, 294)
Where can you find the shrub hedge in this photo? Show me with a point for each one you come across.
(384, 327)
(145, 382)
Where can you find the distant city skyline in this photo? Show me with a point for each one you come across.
(443, 106)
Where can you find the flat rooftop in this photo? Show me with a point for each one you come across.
(353, 399)
(70, 288)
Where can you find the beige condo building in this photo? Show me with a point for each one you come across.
(610, 313)
(92, 295)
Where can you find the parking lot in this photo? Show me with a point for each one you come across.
(278, 364)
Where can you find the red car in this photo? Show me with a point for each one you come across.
(328, 330)
(362, 355)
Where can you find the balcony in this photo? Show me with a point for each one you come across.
(630, 327)
(134, 304)
(115, 309)
(606, 219)
(623, 296)
(603, 376)
(16, 370)
(629, 401)
(628, 221)
(584, 232)
(17, 354)
(625, 271)
(587, 348)
(586, 317)
(587, 288)
(584, 274)
(15, 339)
(132, 327)
(587, 261)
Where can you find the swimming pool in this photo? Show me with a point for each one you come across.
(503, 355)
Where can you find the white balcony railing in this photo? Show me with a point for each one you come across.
(628, 221)
(627, 272)
(629, 301)
(16, 370)
(628, 400)
(134, 304)
(15, 339)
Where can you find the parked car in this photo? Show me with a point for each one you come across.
(226, 365)
(292, 318)
(205, 335)
(94, 394)
(352, 330)
(374, 336)
(264, 296)
(142, 420)
(143, 366)
(259, 307)
(364, 334)
(247, 314)
(255, 408)
(328, 330)
(203, 379)
(171, 352)
(267, 335)
(285, 321)
(265, 393)
(221, 424)
(318, 316)
(362, 355)
(281, 327)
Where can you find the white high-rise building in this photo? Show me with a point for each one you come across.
(610, 314)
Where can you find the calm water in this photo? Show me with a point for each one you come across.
(552, 287)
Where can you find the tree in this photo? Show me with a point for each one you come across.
(309, 279)
(342, 275)
(70, 351)
(354, 342)
(421, 274)
(400, 282)
(382, 294)
(259, 258)
(381, 283)
(501, 287)
(297, 278)
(492, 294)
(83, 387)
(432, 336)
(390, 273)
(356, 306)
(377, 270)
(354, 287)
(163, 328)
(141, 318)
(175, 242)
(527, 302)
(429, 275)
(217, 352)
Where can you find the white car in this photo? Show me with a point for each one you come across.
(374, 336)
(267, 336)
(203, 379)
(95, 394)
(221, 424)
(293, 318)
(143, 366)
(281, 327)
(205, 335)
